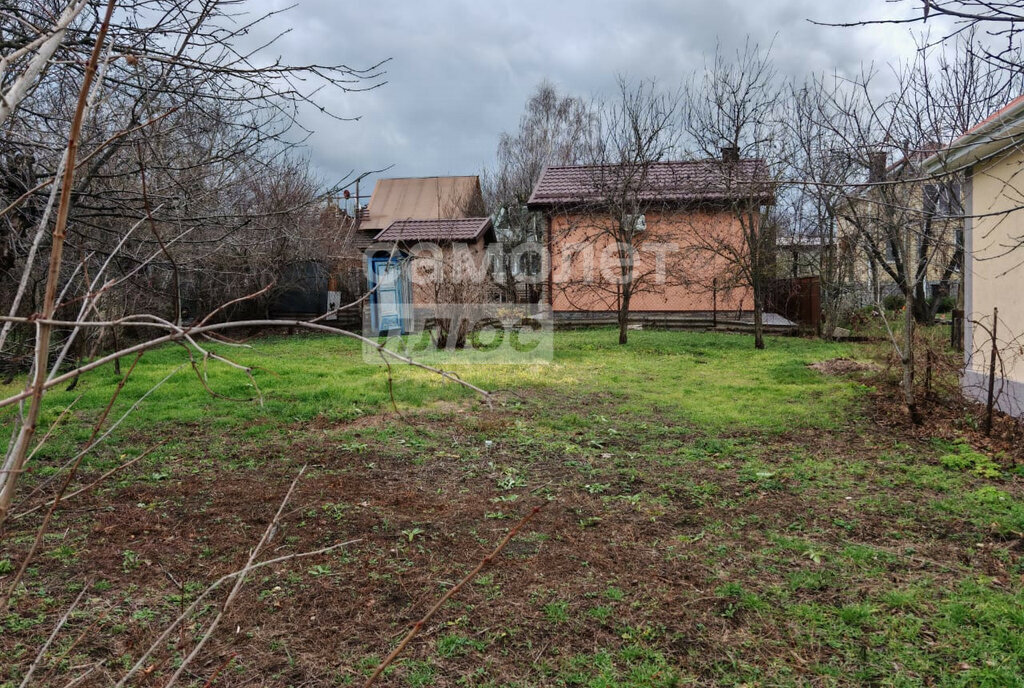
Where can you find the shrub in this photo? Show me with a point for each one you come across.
(861, 316)
(894, 302)
(946, 305)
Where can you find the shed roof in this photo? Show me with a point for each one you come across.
(420, 198)
(680, 181)
(464, 229)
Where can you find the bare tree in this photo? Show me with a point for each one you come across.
(182, 128)
(18, 450)
(888, 137)
(735, 108)
(139, 154)
(457, 282)
(874, 202)
(28, 50)
(951, 88)
(822, 167)
(553, 130)
(632, 135)
(1000, 21)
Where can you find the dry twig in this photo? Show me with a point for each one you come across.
(418, 626)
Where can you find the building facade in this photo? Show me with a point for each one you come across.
(991, 160)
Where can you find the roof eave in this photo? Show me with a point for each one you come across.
(595, 204)
(485, 225)
(533, 194)
(986, 141)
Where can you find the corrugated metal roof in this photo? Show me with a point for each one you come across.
(660, 182)
(468, 229)
(420, 198)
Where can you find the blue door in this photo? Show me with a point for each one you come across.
(387, 301)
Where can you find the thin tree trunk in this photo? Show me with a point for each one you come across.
(922, 310)
(758, 323)
(624, 318)
(36, 243)
(909, 324)
(19, 451)
(626, 290)
(757, 286)
(990, 404)
(757, 273)
(117, 361)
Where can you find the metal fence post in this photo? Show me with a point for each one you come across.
(992, 372)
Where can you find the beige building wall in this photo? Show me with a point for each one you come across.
(995, 273)
(941, 253)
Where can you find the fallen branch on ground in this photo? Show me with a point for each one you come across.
(268, 535)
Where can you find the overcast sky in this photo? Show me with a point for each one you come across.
(460, 71)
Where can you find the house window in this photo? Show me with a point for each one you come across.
(890, 251)
(942, 200)
(529, 264)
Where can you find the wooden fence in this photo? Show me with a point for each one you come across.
(798, 299)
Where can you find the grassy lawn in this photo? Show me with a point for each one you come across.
(714, 515)
(713, 381)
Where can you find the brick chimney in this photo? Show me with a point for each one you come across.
(730, 154)
(877, 161)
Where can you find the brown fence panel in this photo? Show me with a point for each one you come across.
(798, 299)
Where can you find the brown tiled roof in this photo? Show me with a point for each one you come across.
(668, 182)
(361, 240)
(466, 229)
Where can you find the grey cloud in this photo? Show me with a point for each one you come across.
(461, 71)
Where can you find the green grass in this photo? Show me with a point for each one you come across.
(635, 666)
(714, 381)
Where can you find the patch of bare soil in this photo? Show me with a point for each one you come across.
(947, 415)
(843, 366)
(631, 549)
